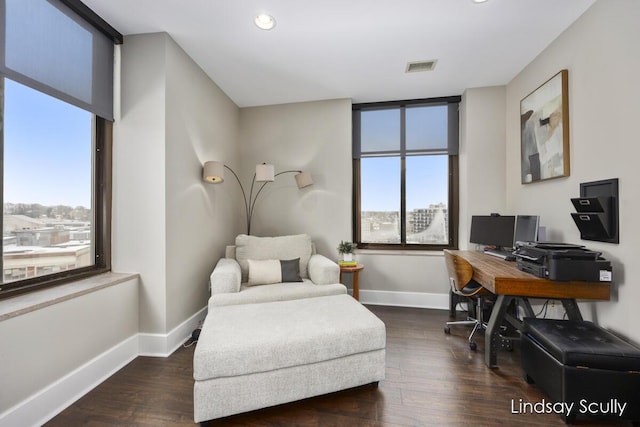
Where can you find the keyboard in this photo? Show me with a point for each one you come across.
(505, 255)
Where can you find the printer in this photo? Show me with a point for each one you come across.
(562, 262)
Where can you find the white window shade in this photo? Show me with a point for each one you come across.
(405, 128)
(48, 47)
(426, 128)
(380, 130)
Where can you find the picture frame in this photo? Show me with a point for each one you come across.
(544, 137)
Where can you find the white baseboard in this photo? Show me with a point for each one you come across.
(405, 299)
(162, 345)
(53, 399)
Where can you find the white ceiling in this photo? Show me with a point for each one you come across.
(358, 49)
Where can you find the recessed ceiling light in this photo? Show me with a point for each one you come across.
(478, 1)
(265, 22)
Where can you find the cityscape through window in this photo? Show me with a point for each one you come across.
(47, 185)
(405, 166)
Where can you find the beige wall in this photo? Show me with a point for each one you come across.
(482, 156)
(600, 52)
(311, 136)
(169, 225)
(45, 345)
(138, 242)
(201, 125)
(316, 136)
(404, 271)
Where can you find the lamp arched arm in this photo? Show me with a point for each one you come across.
(253, 202)
(244, 198)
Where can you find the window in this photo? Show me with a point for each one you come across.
(56, 104)
(405, 174)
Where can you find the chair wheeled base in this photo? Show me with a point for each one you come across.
(477, 323)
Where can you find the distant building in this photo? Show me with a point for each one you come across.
(22, 262)
(380, 226)
(9, 241)
(12, 223)
(84, 234)
(424, 225)
(42, 237)
(35, 247)
(419, 220)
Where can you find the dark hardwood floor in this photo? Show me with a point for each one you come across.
(432, 379)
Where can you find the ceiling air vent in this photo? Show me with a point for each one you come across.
(414, 67)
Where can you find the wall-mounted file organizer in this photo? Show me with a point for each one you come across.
(597, 211)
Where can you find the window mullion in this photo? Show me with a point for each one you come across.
(403, 175)
(2, 173)
(357, 197)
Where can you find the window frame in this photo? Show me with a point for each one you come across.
(102, 143)
(101, 188)
(403, 153)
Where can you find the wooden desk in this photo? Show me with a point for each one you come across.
(355, 269)
(503, 279)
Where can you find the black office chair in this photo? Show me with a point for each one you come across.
(462, 284)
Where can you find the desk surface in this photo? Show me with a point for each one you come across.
(503, 278)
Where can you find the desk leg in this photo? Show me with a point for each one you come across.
(526, 306)
(492, 340)
(572, 309)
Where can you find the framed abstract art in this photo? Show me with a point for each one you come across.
(544, 138)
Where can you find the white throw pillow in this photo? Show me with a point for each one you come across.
(281, 247)
(264, 272)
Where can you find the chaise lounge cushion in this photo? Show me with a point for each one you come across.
(266, 248)
(276, 292)
(252, 338)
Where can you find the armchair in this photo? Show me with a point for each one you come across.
(233, 283)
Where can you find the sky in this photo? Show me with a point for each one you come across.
(47, 149)
(427, 182)
(427, 175)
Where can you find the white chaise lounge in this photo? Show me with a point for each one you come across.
(258, 355)
(264, 345)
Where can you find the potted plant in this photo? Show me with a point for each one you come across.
(346, 249)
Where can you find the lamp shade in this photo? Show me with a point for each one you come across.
(213, 172)
(265, 173)
(303, 179)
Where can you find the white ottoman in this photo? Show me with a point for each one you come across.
(258, 355)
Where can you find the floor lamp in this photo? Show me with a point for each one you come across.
(213, 172)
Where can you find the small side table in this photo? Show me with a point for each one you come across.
(355, 269)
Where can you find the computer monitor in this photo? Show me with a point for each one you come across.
(492, 230)
(526, 229)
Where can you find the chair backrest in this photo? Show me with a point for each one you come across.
(230, 250)
(460, 271)
(280, 248)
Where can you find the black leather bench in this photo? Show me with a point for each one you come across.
(590, 370)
